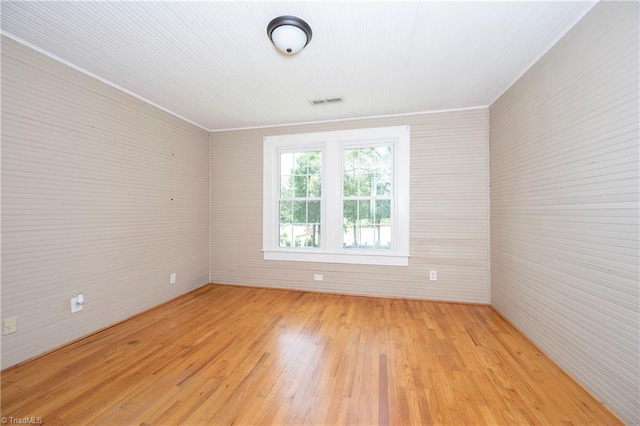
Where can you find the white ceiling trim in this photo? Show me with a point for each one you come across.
(337, 120)
(97, 77)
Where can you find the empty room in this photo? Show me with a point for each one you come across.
(321, 213)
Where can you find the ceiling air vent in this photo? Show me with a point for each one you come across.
(336, 100)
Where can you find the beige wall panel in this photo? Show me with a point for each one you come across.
(88, 174)
(449, 213)
(564, 205)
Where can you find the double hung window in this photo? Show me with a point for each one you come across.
(337, 196)
(300, 198)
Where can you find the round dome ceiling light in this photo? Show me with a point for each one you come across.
(289, 34)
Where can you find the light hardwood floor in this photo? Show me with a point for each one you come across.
(237, 355)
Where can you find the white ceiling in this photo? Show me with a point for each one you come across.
(212, 63)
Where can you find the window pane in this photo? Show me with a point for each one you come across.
(366, 237)
(349, 223)
(312, 238)
(384, 158)
(314, 186)
(286, 210)
(313, 212)
(349, 237)
(299, 212)
(383, 211)
(350, 212)
(382, 228)
(350, 160)
(382, 236)
(301, 162)
(367, 159)
(285, 235)
(286, 186)
(383, 184)
(315, 162)
(365, 214)
(365, 181)
(318, 234)
(286, 164)
(299, 236)
(300, 186)
(349, 184)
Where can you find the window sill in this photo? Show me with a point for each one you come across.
(359, 258)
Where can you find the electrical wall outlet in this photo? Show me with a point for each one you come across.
(9, 325)
(433, 275)
(77, 303)
(318, 277)
(172, 278)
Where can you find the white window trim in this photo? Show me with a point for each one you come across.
(331, 143)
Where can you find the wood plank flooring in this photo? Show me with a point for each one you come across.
(237, 355)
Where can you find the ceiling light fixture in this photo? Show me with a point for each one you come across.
(289, 34)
